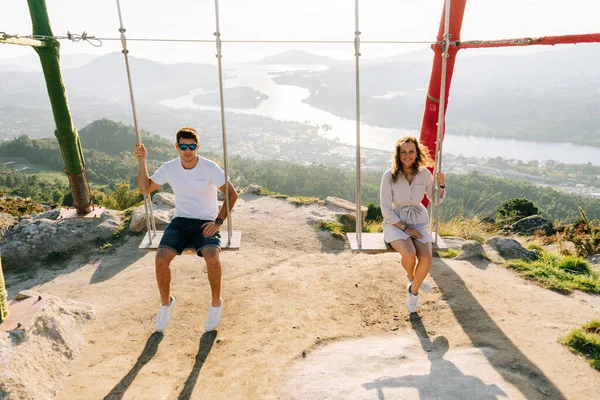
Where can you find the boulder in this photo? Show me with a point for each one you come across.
(344, 207)
(39, 237)
(470, 249)
(532, 224)
(453, 242)
(253, 189)
(509, 248)
(165, 199)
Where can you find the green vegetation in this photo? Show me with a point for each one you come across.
(304, 201)
(513, 210)
(18, 207)
(450, 253)
(585, 235)
(586, 341)
(560, 273)
(108, 146)
(336, 229)
(467, 228)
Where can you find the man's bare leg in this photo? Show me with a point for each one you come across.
(213, 265)
(164, 257)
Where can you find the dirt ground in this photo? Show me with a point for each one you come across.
(304, 319)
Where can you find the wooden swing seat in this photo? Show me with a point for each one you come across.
(373, 243)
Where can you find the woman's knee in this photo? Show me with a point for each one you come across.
(408, 254)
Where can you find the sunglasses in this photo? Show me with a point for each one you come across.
(184, 146)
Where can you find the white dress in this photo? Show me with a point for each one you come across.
(401, 201)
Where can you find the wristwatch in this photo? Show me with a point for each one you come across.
(218, 221)
(405, 226)
(442, 186)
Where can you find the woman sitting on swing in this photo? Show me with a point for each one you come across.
(405, 219)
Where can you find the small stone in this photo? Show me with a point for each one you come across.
(356, 285)
(303, 353)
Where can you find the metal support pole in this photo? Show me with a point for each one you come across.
(223, 125)
(357, 75)
(441, 121)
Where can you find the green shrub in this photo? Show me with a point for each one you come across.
(373, 213)
(586, 341)
(515, 209)
(575, 265)
(585, 235)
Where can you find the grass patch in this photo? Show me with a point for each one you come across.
(346, 224)
(560, 273)
(586, 341)
(450, 253)
(336, 229)
(534, 246)
(467, 228)
(304, 201)
(266, 192)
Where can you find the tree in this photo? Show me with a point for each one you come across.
(515, 209)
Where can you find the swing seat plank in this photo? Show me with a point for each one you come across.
(236, 239)
(373, 243)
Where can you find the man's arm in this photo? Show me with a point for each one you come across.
(233, 196)
(210, 228)
(143, 176)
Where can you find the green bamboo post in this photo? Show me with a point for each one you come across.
(68, 138)
(3, 296)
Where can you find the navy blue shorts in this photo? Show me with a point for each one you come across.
(185, 232)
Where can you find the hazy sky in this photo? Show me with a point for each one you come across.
(415, 20)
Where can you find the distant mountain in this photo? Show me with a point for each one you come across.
(546, 96)
(104, 80)
(299, 57)
(32, 62)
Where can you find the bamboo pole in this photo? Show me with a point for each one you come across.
(68, 138)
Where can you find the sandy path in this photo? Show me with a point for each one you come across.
(284, 296)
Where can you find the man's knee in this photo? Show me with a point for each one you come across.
(211, 256)
(164, 257)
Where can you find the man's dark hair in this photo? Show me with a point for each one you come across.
(188, 133)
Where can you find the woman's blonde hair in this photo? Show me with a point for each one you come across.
(423, 157)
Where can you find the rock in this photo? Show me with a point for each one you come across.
(530, 225)
(47, 345)
(37, 238)
(509, 248)
(6, 221)
(161, 217)
(470, 249)
(253, 189)
(454, 242)
(164, 198)
(344, 206)
(594, 259)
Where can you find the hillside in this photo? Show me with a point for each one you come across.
(304, 319)
(108, 145)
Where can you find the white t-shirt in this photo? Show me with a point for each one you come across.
(195, 189)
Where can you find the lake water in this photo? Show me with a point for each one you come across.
(285, 104)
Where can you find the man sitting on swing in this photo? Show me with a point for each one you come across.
(197, 219)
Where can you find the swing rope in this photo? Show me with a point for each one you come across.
(223, 126)
(150, 224)
(441, 119)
